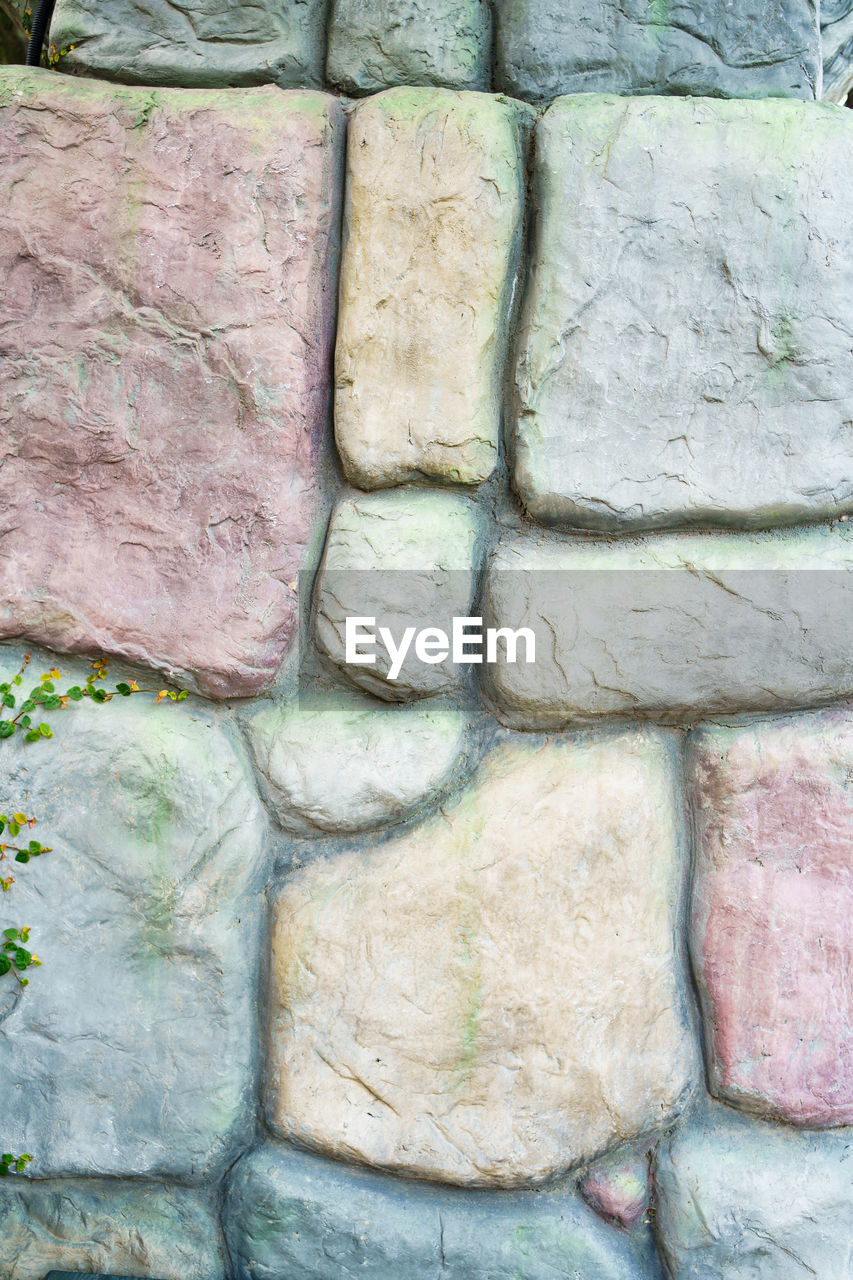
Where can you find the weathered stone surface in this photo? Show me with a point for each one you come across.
(709, 48)
(339, 763)
(205, 44)
(743, 1200)
(672, 626)
(772, 903)
(133, 1049)
(686, 352)
(836, 20)
(495, 996)
(618, 1188)
(407, 559)
(163, 368)
(121, 1228)
(374, 44)
(299, 1216)
(437, 180)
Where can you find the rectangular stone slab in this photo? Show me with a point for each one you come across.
(671, 626)
(168, 261)
(374, 45)
(836, 22)
(772, 901)
(687, 342)
(432, 227)
(708, 48)
(205, 43)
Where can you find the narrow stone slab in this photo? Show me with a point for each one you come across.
(836, 21)
(495, 996)
(405, 559)
(288, 1213)
(772, 902)
(164, 376)
(106, 1230)
(374, 45)
(685, 353)
(672, 626)
(739, 1198)
(437, 180)
(337, 763)
(132, 1051)
(206, 44)
(708, 48)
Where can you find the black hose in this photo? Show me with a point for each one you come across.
(38, 31)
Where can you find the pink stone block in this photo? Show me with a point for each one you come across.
(772, 931)
(618, 1189)
(167, 263)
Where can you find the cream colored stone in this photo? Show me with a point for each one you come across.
(432, 223)
(495, 996)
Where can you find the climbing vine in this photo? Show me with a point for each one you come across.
(25, 714)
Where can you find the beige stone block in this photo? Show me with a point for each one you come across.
(432, 225)
(495, 996)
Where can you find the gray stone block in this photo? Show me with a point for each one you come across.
(209, 44)
(292, 1216)
(107, 1229)
(673, 626)
(376, 44)
(686, 349)
(836, 22)
(133, 1049)
(740, 1199)
(752, 49)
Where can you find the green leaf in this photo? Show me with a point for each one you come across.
(23, 958)
(45, 730)
(7, 728)
(11, 933)
(32, 736)
(4, 1170)
(25, 933)
(5, 965)
(123, 689)
(8, 1157)
(14, 828)
(75, 693)
(47, 685)
(34, 846)
(99, 695)
(182, 695)
(4, 688)
(25, 722)
(53, 702)
(17, 680)
(8, 699)
(22, 856)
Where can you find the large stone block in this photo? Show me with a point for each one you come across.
(772, 902)
(495, 996)
(836, 20)
(167, 260)
(709, 48)
(742, 1200)
(100, 1225)
(133, 1049)
(337, 763)
(374, 44)
(673, 626)
(298, 1216)
(408, 560)
(685, 353)
(206, 44)
(437, 180)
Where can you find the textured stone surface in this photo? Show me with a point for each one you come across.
(374, 44)
(331, 762)
(673, 625)
(773, 897)
(686, 352)
(296, 1215)
(407, 559)
(743, 1200)
(122, 1229)
(709, 48)
(436, 178)
(163, 368)
(203, 44)
(836, 19)
(133, 1049)
(618, 1189)
(495, 996)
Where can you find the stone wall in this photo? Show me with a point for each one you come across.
(497, 970)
